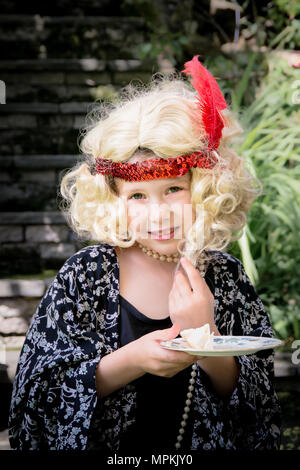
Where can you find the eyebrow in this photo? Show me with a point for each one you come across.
(171, 181)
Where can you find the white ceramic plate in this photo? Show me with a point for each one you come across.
(226, 345)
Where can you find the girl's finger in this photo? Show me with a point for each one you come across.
(182, 285)
(177, 298)
(195, 278)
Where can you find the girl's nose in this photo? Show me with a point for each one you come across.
(159, 216)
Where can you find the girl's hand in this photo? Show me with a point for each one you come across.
(191, 308)
(156, 360)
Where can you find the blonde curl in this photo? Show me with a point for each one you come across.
(158, 119)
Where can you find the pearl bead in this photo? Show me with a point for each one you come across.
(183, 423)
(194, 373)
(192, 381)
(169, 258)
(189, 395)
(177, 445)
(181, 431)
(188, 401)
(179, 438)
(185, 416)
(186, 409)
(191, 388)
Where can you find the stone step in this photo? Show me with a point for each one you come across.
(58, 81)
(31, 241)
(35, 162)
(35, 256)
(59, 8)
(32, 182)
(36, 20)
(31, 218)
(104, 37)
(37, 140)
(45, 108)
(75, 65)
(36, 191)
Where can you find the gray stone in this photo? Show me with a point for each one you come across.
(284, 369)
(60, 121)
(75, 108)
(36, 108)
(283, 365)
(12, 341)
(37, 162)
(29, 218)
(38, 176)
(13, 325)
(22, 307)
(4, 122)
(4, 441)
(22, 121)
(30, 176)
(22, 288)
(123, 78)
(5, 176)
(52, 65)
(79, 122)
(47, 78)
(87, 78)
(124, 65)
(27, 194)
(11, 233)
(60, 251)
(46, 233)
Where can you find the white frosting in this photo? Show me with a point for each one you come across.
(198, 338)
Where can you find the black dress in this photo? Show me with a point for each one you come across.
(160, 400)
(55, 404)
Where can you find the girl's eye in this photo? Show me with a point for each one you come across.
(175, 187)
(140, 194)
(135, 194)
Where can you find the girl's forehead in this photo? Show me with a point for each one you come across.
(154, 184)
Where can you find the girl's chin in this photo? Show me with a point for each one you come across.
(163, 246)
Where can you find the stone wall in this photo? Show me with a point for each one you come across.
(57, 65)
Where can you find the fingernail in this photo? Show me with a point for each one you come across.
(183, 259)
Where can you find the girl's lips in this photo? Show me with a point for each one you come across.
(166, 236)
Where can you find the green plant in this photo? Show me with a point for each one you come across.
(269, 247)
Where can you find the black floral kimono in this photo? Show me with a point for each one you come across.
(54, 403)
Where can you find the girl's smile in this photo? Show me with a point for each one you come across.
(163, 235)
(157, 211)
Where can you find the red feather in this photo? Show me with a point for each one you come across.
(211, 100)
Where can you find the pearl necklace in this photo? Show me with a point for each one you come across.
(155, 254)
(186, 409)
(175, 258)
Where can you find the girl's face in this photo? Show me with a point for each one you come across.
(154, 206)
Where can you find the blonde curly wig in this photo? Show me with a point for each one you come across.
(158, 119)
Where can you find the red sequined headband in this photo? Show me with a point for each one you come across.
(210, 103)
(155, 168)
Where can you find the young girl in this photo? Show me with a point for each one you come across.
(162, 194)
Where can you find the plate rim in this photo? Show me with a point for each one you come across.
(254, 348)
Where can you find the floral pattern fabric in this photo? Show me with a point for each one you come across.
(54, 403)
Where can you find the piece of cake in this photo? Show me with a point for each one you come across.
(198, 338)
